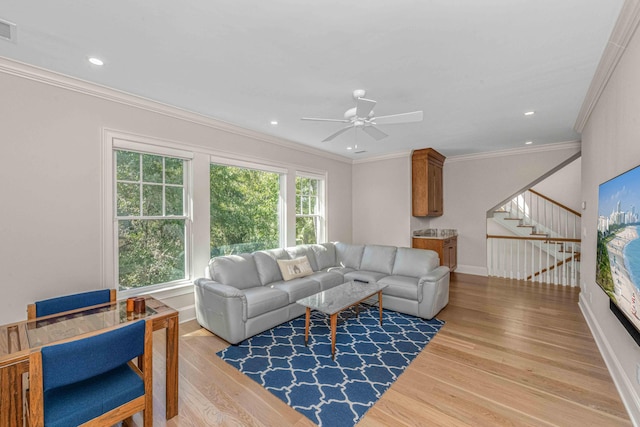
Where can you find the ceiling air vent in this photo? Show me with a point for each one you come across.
(7, 31)
(360, 152)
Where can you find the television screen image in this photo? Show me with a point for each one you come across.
(618, 256)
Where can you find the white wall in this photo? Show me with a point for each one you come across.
(51, 136)
(472, 185)
(382, 202)
(563, 186)
(610, 146)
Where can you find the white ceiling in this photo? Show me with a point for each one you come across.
(473, 66)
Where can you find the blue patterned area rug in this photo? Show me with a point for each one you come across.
(369, 358)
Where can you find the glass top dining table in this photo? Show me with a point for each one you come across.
(24, 336)
(18, 340)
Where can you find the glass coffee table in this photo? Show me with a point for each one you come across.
(335, 300)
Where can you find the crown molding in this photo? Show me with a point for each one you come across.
(383, 157)
(41, 75)
(622, 32)
(485, 155)
(516, 151)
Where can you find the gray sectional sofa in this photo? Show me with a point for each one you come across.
(246, 294)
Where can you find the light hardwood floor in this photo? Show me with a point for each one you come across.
(510, 353)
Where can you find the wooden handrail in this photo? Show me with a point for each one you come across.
(553, 201)
(544, 239)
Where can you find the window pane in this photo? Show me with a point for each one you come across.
(127, 166)
(306, 230)
(128, 203)
(173, 171)
(309, 217)
(151, 168)
(150, 252)
(244, 210)
(174, 201)
(152, 200)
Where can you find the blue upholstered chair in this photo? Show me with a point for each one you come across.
(70, 302)
(93, 379)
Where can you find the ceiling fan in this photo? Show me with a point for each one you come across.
(362, 116)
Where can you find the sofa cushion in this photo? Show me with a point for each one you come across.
(304, 250)
(238, 271)
(298, 288)
(401, 287)
(325, 255)
(414, 262)
(364, 276)
(349, 255)
(340, 270)
(263, 299)
(378, 258)
(294, 268)
(268, 269)
(327, 279)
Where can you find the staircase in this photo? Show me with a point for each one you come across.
(538, 240)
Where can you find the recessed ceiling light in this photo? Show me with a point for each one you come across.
(349, 148)
(96, 61)
(529, 113)
(274, 122)
(529, 142)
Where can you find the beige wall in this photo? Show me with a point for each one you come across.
(51, 140)
(564, 186)
(382, 202)
(610, 146)
(472, 185)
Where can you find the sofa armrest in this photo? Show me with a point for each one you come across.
(434, 289)
(219, 289)
(435, 275)
(222, 309)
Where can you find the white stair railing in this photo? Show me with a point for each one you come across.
(535, 259)
(543, 245)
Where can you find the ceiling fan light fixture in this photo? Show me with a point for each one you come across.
(362, 116)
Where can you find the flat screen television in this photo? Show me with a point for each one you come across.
(618, 256)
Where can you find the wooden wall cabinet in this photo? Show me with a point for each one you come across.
(426, 182)
(447, 249)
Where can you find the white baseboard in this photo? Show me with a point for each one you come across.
(629, 397)
(187, 313)
(472, 269)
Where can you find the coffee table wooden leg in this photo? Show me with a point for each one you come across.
(307, 321)
(334, 323)
(380, 305)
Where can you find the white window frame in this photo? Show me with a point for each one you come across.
(321, 236)
(282, 172)
(113, 141)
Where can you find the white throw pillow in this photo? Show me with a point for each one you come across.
(294, 268)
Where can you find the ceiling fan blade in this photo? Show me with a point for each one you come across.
(414, 116)
(325, 120)
(375, 133)
(333, 135)
(364, 107)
